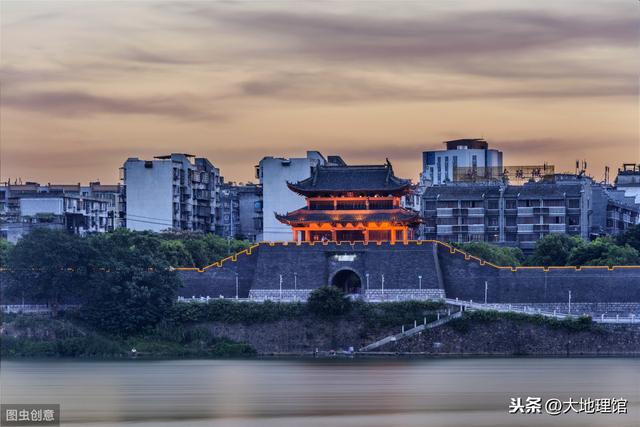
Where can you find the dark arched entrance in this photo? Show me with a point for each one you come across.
(348, 281)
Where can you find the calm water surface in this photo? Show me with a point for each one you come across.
(310, 393)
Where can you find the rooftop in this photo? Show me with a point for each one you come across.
(470, 143)
(361, 179)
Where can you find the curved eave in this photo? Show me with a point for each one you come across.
(294, 218)
(310, 192)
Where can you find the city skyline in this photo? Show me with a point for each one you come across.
(86, 87)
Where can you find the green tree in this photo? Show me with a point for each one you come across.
(603, 251)
(205, 249)
(554, 249)
(5, 250)
(176, 254)
(499, 255)
(50, 266)
(631, 237)
(131, 290)
(328, 301)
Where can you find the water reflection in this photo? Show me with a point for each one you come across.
(309, 393)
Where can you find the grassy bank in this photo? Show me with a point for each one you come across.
(186, 331)
(38, 336)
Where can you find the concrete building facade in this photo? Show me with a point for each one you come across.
(274, 173)
(520, 215)
(172, 192)
(228, 218)
(439, 166)
(24, 207)
(250, 211)
(628, 180)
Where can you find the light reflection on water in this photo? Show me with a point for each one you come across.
(309, 393)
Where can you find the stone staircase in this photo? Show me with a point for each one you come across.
(411, 332)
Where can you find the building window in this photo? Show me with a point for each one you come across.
(455, 166)
(474, 162)
(446, 168)
(439, 169)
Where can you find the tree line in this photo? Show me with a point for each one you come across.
(122, 281)
(564, 250)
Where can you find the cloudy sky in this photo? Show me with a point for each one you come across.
(87, 84)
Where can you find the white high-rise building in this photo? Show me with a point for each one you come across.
(274, 173)
(468, 155)
(172, 192)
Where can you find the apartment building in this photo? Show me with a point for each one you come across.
(472, 155)
(170, 192)
(24, 207)
(274, 173)
(250, 211)
(228, 217)
(520, 215)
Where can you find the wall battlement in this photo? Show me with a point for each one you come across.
(409, 267)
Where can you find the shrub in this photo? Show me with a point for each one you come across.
(328, 301)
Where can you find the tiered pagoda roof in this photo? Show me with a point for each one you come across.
(356, 180)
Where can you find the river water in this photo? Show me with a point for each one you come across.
(321, 393)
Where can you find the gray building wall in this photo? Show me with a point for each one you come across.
(306, 267)
(274, 173)
(250, 207)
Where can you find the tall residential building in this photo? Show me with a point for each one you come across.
(274, 173)
(519, 215)
(461, 156)
(228, 216)
(172, 192)
(250, 205)
(112, 194)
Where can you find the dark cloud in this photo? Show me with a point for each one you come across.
(360, 38)
(163, 57)
(78, 104)
(337, 88)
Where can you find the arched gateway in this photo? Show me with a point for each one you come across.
(348, 281)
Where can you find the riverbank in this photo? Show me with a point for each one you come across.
(220, 328)
(299, 334)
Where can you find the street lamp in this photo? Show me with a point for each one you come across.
(486, 290)
(569, 301)
(420, 282)
(281, 287)
(295, 281)
(383, 286)
(236, 285)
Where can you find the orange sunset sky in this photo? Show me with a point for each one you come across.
(87, 84)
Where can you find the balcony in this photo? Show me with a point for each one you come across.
(525, 211)
(476, 228)
(525, 228)
(557, 228)
(444, 212)
(476, 211)
(468, 211)
(444, 229)
(557, 210)
(540, 228)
